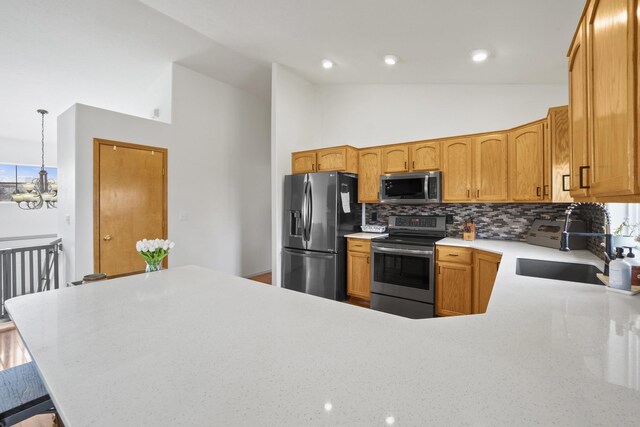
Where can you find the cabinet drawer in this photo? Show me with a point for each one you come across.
(359, 245)
(454, 254)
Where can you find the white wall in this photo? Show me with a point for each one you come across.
(295, 125)
(307, 116)
(16, 222)
(218, 171)
(366, 115)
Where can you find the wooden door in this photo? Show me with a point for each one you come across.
(485, 270)
(558, 140)
(358, 275)
(369, 171)
(578, 124)
(332, 159)
(491, 167)
(130, 203)
(526, 163)
(425, 156)
(611, 69)
(457, 178)
(395, 159)
(303, 162)
(453, 292)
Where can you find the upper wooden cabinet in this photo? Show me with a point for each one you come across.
(370, 169)
(303, 162)
(425, 156)
(611, 65)
(491, 167)
(339, 159)
(395, 159)
(603, 106)
(557, 144)
(526, 163)
(578, 131)
(457, 166)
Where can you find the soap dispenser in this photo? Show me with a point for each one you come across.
(635, 267)
(620, 272)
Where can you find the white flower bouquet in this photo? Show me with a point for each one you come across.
(153, 252)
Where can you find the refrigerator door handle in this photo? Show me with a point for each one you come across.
(309, 210)
(304, 211)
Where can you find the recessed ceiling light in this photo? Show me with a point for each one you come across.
(327, 63)
(479, 55)
(390, 59)
(328, 406)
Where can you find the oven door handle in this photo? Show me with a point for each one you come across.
(403, 251)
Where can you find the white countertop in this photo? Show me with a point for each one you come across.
(366, 236)
(189, 346)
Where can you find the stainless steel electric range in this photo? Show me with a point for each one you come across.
(403, 267)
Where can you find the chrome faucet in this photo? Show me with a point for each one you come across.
(608, 250)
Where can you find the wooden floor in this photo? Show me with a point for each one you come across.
(262, 278)
(13, 353)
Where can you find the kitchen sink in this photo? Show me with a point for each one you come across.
(583, 273)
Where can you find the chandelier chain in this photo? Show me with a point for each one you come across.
(42, 140)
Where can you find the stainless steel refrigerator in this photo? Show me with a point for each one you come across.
(319, 209)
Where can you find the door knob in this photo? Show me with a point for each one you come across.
(107, 237)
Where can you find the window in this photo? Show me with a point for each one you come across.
(12, 177)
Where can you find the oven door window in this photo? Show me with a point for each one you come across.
(404, 188)
(402, 270)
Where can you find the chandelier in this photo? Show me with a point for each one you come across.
(41, 190)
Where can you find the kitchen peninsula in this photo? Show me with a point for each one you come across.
(546, 352)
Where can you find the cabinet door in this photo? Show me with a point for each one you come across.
(611, 68)
(425, 156)
(303, 162)
(558, 131)
(332, 159)
(453, 292)
(358, 274)
(457, 157)
(578, 134)
(369, 171)
(395, 159)
(485, 270)
(491, 167)
(526, 163)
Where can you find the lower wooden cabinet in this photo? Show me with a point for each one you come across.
(359, 268)
(485, 270)
(464, 281)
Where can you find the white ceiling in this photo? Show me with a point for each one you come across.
(104, 53)
(107, 53)
(433, 38)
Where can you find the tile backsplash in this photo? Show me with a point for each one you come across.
(503, 221)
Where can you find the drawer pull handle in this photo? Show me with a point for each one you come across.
(454, 255)
(538, 191)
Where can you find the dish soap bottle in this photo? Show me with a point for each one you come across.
(620, 272)
(635, 267)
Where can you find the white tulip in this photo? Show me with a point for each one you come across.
(165, 245)
(171, 245)
(138, 246)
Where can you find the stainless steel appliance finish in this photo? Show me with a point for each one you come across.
(411, 188)
(314, 224)
(403, 266)
(548, 233)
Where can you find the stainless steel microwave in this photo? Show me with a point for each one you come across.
(411, 188)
